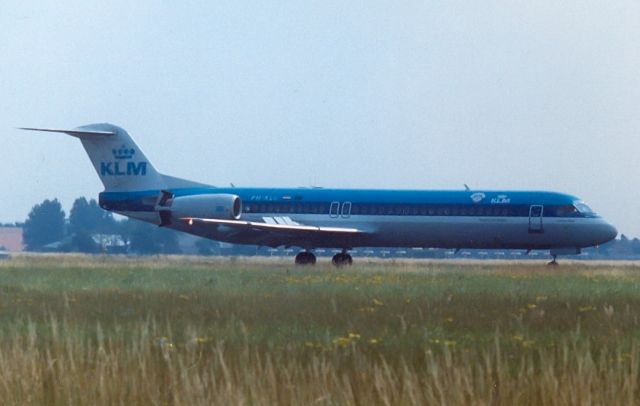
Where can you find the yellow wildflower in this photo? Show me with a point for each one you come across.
(164, 343)
(341, 341)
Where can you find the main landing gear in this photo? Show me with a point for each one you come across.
(305, 258)
(338, 260)
(342, 259)
(553, 261)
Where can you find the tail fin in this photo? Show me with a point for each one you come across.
(118, 161)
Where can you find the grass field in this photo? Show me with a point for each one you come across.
(82, 330)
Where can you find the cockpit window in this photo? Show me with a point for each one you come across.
(584, 209)
(567, 211)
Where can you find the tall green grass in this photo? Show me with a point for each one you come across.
(80, 330)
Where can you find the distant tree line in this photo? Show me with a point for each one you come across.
(90, 229)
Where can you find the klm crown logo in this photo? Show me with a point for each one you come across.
(123, 152)
(119, 168)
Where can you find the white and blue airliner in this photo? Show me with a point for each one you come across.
(312, 218)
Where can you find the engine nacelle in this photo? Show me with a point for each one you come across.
(213, 205)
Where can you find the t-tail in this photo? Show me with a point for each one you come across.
(118, 161)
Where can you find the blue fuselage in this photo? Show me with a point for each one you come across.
(395, 218)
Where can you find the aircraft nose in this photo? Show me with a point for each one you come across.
(609, 232)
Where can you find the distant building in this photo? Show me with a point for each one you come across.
(113, 243)
(11, 239)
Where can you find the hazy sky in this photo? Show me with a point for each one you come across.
(412, 94)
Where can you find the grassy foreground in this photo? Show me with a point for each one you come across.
(79, 330)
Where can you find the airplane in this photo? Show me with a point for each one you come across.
(343, 219)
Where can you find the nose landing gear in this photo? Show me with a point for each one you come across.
(563, 251)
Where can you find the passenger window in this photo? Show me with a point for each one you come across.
(333, 210)
(346, 209)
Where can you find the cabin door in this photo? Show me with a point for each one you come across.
(535, 218)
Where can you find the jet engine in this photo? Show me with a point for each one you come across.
(211, 205)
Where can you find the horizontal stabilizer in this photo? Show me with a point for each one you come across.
(116, 158)
(75, 133)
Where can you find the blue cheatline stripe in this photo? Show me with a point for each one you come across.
(389, 196)
(367, 196)
(374, 209)
(366, 202)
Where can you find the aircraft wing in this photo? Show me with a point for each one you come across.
(277, 231)
(277, 224)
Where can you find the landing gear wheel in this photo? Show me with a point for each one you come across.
(342, 259)
(553, 261)
(305, 258)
